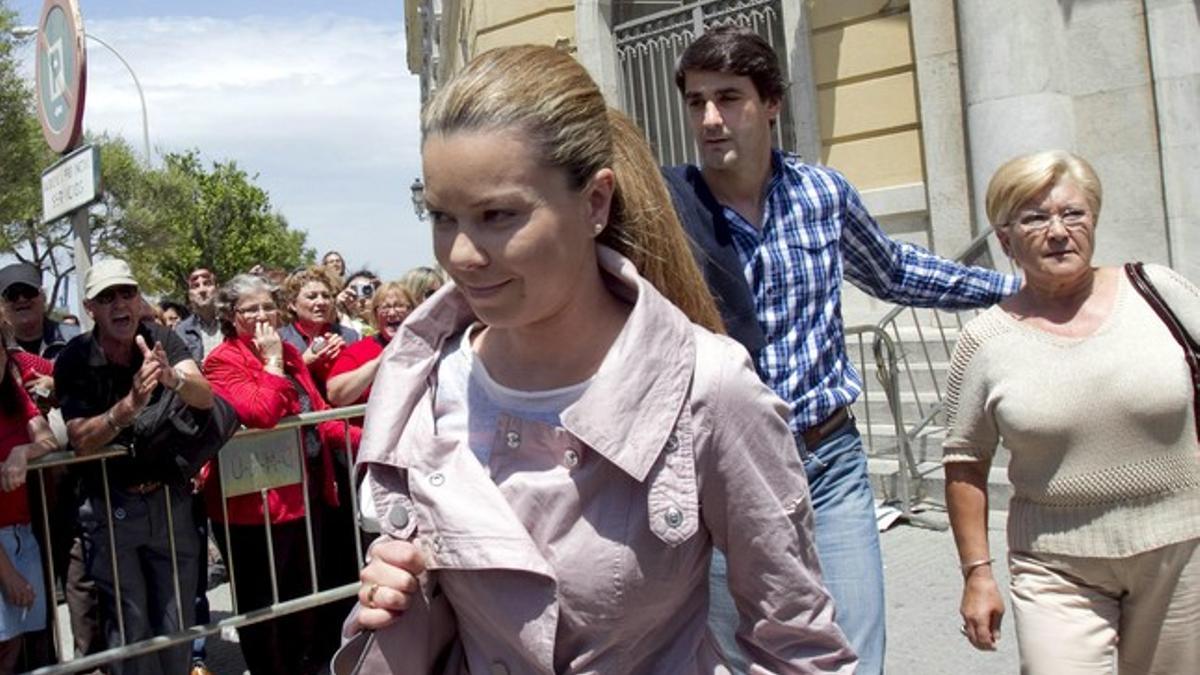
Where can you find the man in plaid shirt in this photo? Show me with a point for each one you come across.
(774, 237)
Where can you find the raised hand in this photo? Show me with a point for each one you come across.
(267, 340)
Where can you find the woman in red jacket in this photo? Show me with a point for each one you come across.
(352, 373)
(265, 379)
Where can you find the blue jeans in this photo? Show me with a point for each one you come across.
(847, 540)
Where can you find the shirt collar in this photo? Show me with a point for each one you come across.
(97, 358)
(626, 414)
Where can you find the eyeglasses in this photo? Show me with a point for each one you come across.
(19, 292)
(256, 310)
(393, 308)
(109, 295)
(1040, 221)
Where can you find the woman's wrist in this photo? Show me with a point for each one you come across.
(971, 566)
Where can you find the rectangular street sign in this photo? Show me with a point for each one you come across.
(73, 182)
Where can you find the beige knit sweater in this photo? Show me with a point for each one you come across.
(1105, 461)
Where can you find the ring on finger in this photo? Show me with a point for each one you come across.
(371, 595)
(963, 629)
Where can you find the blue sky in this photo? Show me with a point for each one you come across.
(314, 97)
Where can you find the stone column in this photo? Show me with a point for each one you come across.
(1173, 33)
(802, 91)
(944, 143)
(1014, 93)
(597, 47)
(1041, 74)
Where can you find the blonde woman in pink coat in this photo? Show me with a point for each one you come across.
(558, 438)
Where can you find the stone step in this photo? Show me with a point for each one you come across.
(931, 488)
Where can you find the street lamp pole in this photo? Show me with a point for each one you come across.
(29, 31)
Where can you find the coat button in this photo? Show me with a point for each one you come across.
(672, 443)
(674, 517)
(398, 517)
(499, 668)
(436, 479)
(570, 459)
(119, 513)
(512, 439)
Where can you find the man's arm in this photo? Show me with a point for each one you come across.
(91, 434)
(905, 274)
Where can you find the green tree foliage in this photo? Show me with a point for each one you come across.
(185, 216)
(166, 221)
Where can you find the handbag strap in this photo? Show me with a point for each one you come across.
(1191, 351)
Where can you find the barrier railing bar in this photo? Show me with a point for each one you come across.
(228, 556)
(358, 547)
(112, 547)
(266, 513)
(51, 580)
(92, 661)
(308, 513)
(166, 492)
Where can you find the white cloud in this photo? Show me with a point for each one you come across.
(321, 107)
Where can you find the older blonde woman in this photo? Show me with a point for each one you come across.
(351, 376)
(1081, 381)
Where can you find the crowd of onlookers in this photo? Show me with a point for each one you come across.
(270, 343)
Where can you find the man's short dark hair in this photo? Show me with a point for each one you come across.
(736, 50)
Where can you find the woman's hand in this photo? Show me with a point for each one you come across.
(16, 589)
(12, 472)
(267, 341)
(388, 582)
(981, 609)
(330, 346)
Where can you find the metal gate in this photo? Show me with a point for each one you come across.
(649, 47)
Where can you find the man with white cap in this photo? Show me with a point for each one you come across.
(104, 379)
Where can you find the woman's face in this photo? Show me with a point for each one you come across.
(252, 309)
(314, 304)
(518, 241)
(1052, 237)
(390, 313)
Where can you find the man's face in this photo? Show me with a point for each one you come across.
(25, 306)
(731, 122)
(202, 288)
(116, 310)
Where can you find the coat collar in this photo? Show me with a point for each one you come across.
(626, 414)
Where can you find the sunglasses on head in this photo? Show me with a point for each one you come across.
(18, 292)
(108, 295)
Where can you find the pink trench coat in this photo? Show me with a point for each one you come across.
(586, 548)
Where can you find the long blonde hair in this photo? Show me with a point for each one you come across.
(545, 94)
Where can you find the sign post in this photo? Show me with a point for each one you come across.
(73, 184)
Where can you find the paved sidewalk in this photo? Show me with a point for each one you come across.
(923, 588)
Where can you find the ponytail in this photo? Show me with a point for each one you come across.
(643, 227)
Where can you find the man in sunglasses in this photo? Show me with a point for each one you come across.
(105, 379)
(24, 305)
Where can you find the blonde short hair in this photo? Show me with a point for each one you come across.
(384, 290)
(1022, 178)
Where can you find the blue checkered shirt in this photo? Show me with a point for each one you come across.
(815, 227)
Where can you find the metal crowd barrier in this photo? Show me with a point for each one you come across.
(255, 460)
(921, 344)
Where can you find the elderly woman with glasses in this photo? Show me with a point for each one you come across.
(266, 379)
(1083, 384)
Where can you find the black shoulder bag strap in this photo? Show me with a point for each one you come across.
(1191, 351)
